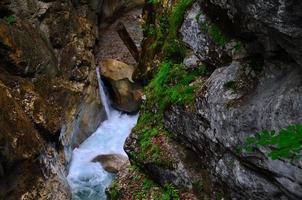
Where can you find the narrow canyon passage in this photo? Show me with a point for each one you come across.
(87, 178)
(150, 100)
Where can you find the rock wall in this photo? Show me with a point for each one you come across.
(49, 93)
(255, 45)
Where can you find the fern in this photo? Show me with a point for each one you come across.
(287, 143)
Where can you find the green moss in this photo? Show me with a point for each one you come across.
(175, 50)
(149, 130)
(171, 85)
(154, 2)
(238, 47)
(177, 16)
(219, 196)
(170, 193)
(150, 30)
(141, 187)
(115, 191)
(148, 148)
(198, 189)
(215, 33)
(197, 17)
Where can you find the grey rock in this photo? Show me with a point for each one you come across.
(199, 40)
(278, 22)
(191, 62)
(218, 129)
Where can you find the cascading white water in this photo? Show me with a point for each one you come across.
(88, 180)
(103, 96)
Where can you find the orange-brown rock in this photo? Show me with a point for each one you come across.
(26, 50)
(48, 93)
(126, 95)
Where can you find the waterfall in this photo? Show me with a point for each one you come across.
(88, 180)
(103, 96)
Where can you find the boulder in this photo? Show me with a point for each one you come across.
(112, 163)
(125, 95)
(209, 51)
(116, 70)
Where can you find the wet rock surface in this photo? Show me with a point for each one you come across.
(116, 70)
(125, 94)
(112, 163)
(49, 93)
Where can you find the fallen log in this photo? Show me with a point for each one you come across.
(128, 41)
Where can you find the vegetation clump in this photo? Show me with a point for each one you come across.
(215, 33)
(172, 84)
(173, 48)
(287, 143)
(230, 85)
(10, 20)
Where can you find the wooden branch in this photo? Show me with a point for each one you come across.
(128, 41)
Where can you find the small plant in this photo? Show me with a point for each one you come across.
(230, 85)
(201, 70)
(197, 17)
(147, 184)
(175, 50)
(238, 47)
(115, 192)
(10, 20)
(154, 2)
(198, 188)
(147, 147)
(170, 193)
(215, 33)
(171, 85)
(219, 196)
(287, 143)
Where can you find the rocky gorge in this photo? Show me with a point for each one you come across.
(211, 77)
(49, 93)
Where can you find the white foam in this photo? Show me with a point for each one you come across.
(89, 180)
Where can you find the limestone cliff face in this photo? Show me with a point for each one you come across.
(256, 45)
(49, 93)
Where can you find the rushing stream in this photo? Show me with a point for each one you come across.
(88, 180)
